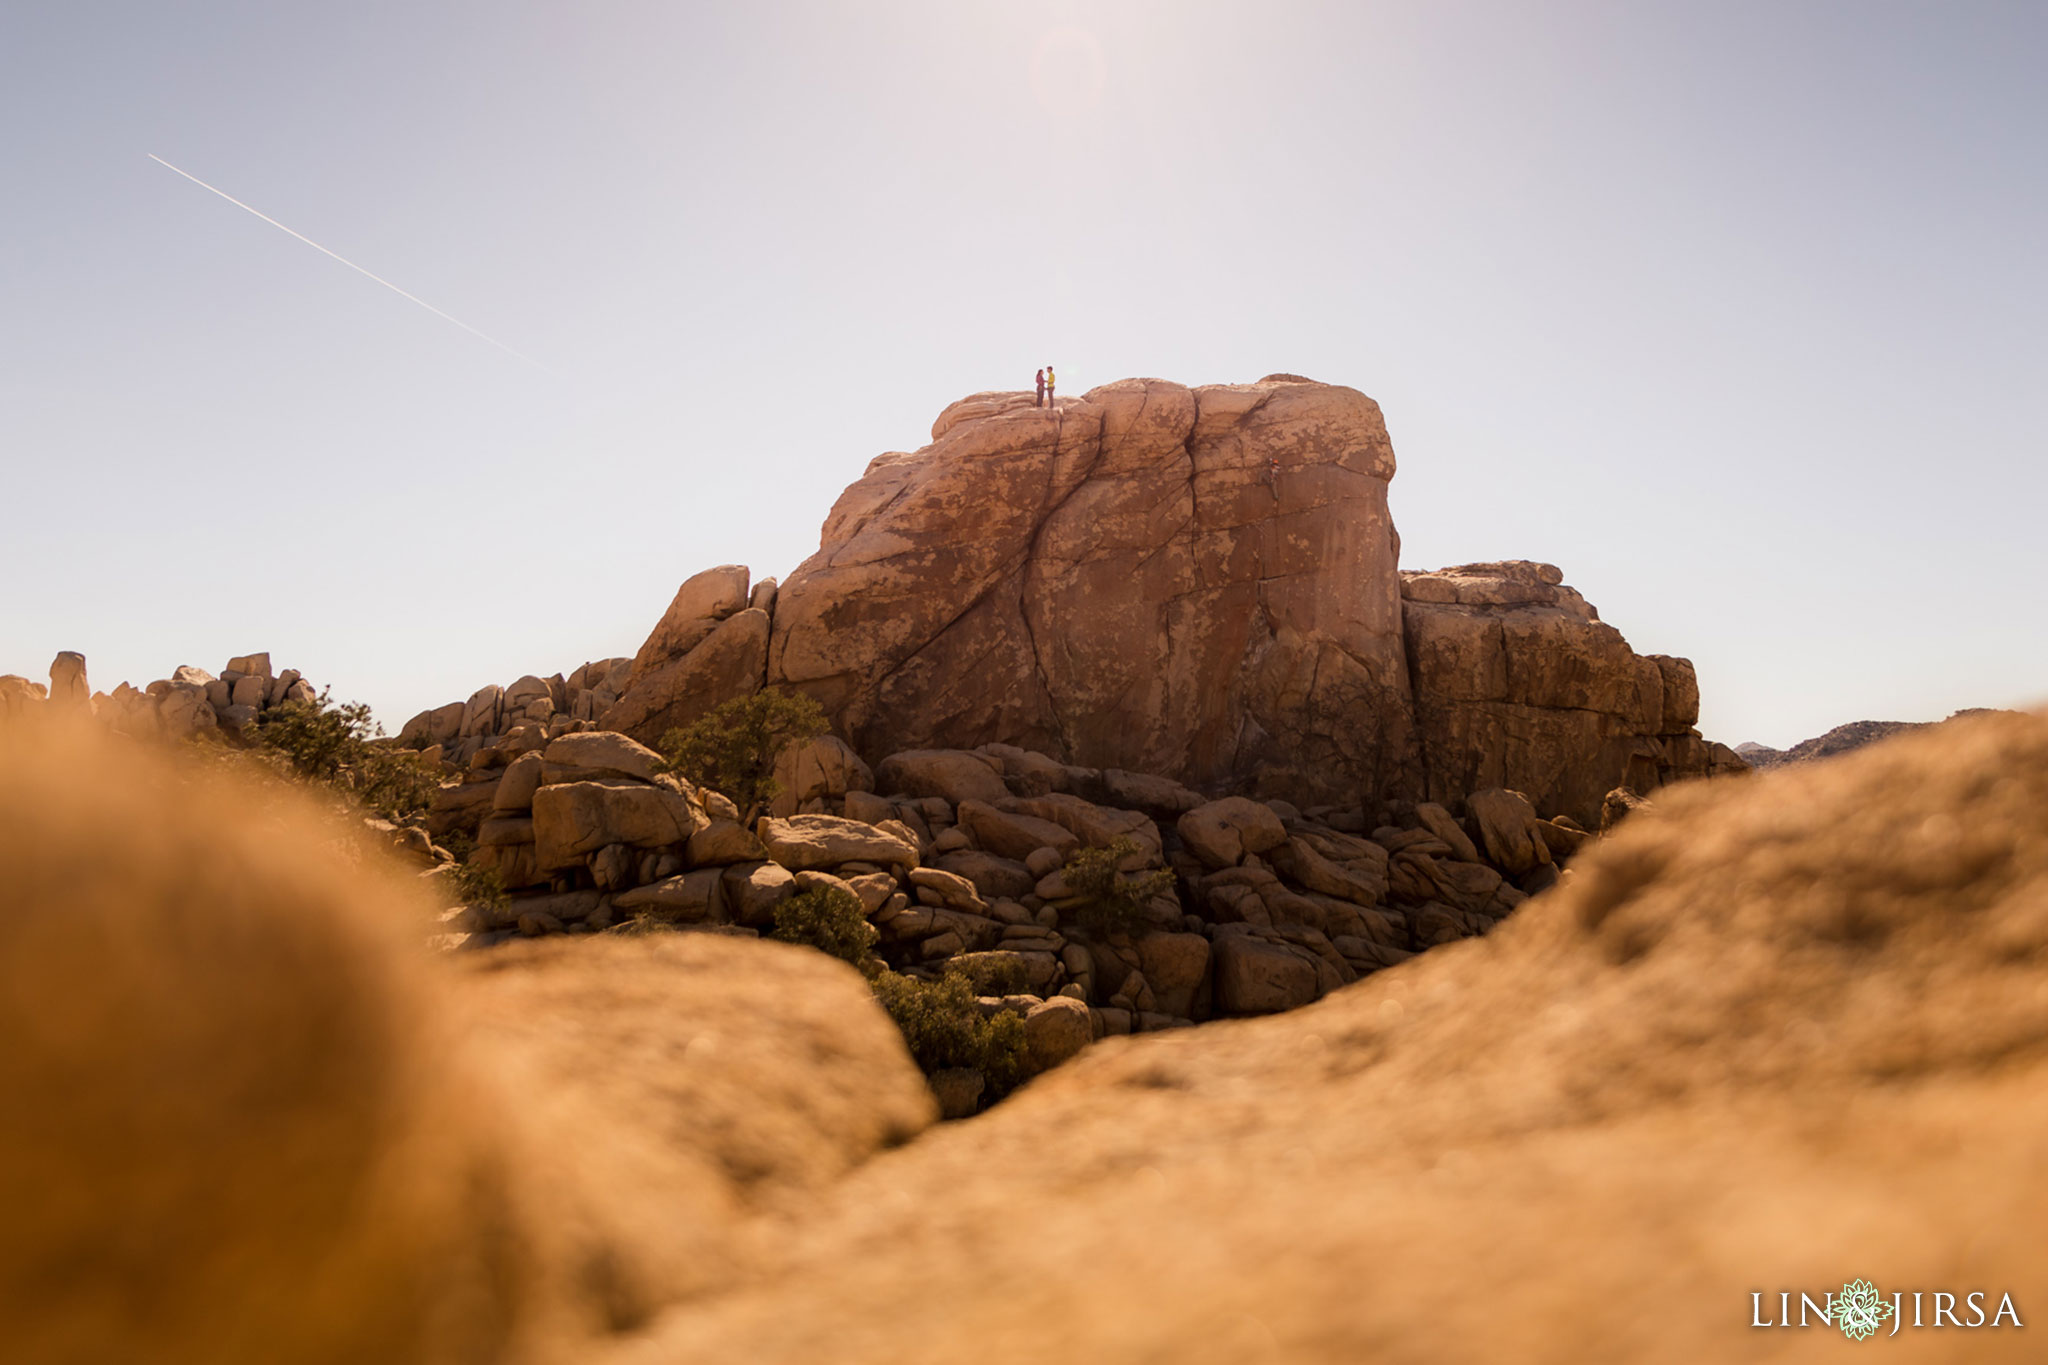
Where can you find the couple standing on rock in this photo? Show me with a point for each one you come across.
(1045, 386)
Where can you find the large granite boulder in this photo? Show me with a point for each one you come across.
(1196, 582)
(1517, 683)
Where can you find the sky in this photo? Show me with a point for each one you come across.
(1735, 311)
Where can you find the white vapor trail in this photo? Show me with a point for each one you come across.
(350, 264)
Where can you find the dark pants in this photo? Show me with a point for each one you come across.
(1041, 395)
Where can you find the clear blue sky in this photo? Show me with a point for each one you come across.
(1736, 311)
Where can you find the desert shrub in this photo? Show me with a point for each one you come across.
(944, 1027)
(732, 748)
(829, 920)
(335, 744)
(1106, 901)
(475, 884)
(993, 975)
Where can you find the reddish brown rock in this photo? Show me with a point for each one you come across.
(1191, 582)
(727, 664)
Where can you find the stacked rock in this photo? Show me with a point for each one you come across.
(960, 859)
(191, 703)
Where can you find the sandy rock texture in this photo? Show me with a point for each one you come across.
(1775, 1035)
(245, 1118)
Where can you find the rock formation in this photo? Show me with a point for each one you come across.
(1198, 583)
(191, 702)
(1193, 582)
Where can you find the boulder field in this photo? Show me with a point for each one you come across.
(1771, 1036)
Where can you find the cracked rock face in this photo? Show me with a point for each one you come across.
(1196, 581)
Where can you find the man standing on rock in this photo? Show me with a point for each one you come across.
(1041, 388)
(1048, 385)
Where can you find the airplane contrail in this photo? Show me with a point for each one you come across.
(350, 264)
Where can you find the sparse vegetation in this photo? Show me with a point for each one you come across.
(944, 1027)
(994, 975)
(829, 920)
(732, 749)
(336, 744)
(1106, 900)
(475, 884)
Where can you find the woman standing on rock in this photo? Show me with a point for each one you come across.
(1041, 388)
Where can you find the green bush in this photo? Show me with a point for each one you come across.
(992, 975)
(1105, 900)
(732, 749)
(829, 920)
(334, 744)
(475, 884)
(944, 1027)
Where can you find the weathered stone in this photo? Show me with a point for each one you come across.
(1221, 833)
(505, 829)
(825, 768)
(1439, 822)
(1013, 836)
(1361, 885)
(955, 774)
(753, 890)
(1175, 965)
(728, 665)
(699, 605)
(1095, 826)
(724, 841)
(480, 714)
(1256, 977)
(68, 685)
(520, 781)
(185, 713)
(251, 666)
(993, 876)
(572, 819)
(1681, 694)
(1055, 1030)
(949, 889)
(250, 691)
(442, 725)
(693, 898)
(1156, 796)
(600, 753)
(1507, 827)
(822, 841)
(1562, 840)
(612, 867)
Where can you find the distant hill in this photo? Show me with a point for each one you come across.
(1841, 740)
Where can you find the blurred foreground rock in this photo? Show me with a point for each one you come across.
(1771, 1035)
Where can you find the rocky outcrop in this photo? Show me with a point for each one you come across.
(1188, 586)
(1517, 683)
(191, 703)
(1190, 582)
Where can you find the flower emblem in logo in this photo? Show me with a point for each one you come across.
(1859, 1311)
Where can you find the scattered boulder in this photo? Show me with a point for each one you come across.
(824, 841)
(1221, 833)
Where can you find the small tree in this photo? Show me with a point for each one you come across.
(944, 1028)
(829, 920)
(732, 749)
(1105, 901)
(331, 743)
